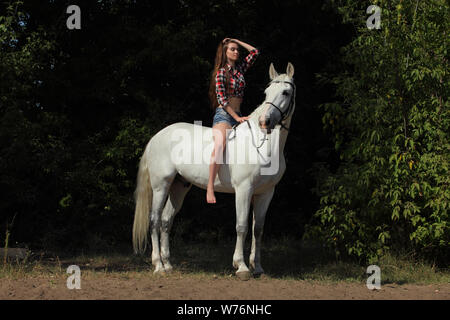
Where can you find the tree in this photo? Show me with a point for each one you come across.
(391, 130)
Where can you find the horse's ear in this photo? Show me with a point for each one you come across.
(290, 70)
(272, 73)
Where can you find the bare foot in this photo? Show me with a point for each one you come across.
(210, 197)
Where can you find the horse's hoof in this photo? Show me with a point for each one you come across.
(159, 271)
(257, 273)
(168, 269)
(260, 275)
(244, 275)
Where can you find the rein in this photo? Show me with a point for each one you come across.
(251, 131)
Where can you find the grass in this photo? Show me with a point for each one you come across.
(284, 259)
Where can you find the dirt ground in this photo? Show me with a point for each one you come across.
(186, 287)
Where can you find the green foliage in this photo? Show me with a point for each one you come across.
(391, 129)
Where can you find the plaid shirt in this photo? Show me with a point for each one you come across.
(237, 82)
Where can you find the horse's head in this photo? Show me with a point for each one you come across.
(280, 96)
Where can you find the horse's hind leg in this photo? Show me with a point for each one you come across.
(159, 199)
(177, 192)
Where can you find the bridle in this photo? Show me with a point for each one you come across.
(284, 115)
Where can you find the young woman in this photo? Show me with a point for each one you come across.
(226, 92)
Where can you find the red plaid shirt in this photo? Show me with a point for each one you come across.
(237, 82)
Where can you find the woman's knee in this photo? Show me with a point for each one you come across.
(219, 149)
(219, 141)
(218, 152)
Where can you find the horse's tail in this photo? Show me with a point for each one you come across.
(143, 197)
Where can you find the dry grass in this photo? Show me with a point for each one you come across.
(282, 259)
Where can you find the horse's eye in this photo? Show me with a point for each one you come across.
(285, 93)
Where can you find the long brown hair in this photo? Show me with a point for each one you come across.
(220, 62)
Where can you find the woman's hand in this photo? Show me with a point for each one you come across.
(239, 42)
(242, 119)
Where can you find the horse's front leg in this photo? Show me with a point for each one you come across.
(260, 205)
(243, 198)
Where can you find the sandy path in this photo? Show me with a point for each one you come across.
(141, 286)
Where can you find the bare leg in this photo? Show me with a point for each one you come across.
(213, 169)
(219, 132)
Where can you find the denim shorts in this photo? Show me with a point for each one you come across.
(222, 116)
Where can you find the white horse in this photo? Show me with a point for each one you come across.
(163, 180)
